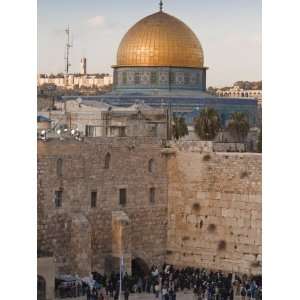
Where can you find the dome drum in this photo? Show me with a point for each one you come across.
(163, 78)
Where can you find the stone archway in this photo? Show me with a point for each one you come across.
(139, 267)
(46, 278)
(41, 288)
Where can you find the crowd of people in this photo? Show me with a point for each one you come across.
(164, 283)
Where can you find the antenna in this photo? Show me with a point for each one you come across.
(67, 49)
(161, 6)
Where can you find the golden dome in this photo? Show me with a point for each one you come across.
(160, 40)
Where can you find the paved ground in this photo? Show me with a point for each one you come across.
(179, 296)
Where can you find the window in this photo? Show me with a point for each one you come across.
(122, 197)
(172, 77)
(137, 78)
(151, 165)
(107, 161)
(93, 199)
(58, 198)
(198, 78)
(186, 78)
(153, 130)
(122, 132)
(154, 78)
(59, 167)
(152, 195)
(90, 130)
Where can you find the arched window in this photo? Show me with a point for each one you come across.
(151, 165)
(59, 166)
(152, 195)
(107, 161)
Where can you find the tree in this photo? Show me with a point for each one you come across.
(211, 90)
(180, 128)
(238, 126)
(207, 124)
(259, 142)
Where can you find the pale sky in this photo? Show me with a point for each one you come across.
(229, 32)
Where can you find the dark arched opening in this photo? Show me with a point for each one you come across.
(139, 267)
(41, 288)
(107, 161)
(151, 165)
(59, 166)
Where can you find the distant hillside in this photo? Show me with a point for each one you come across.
(245, 85)
(249, 85)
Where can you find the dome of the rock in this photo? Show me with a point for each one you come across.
(160, 40)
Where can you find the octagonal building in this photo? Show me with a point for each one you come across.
(159, 54)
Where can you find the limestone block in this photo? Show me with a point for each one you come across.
(202, 195)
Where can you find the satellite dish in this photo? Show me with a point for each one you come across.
(58, 131)
(66, 130)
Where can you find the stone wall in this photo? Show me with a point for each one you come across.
(207, 208)
(214, 210)
(79, 236)
(46, 269)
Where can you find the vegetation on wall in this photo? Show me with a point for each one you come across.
(206, 157)
(211, 228)
(196, 207)
(244, 174)
(222, 245)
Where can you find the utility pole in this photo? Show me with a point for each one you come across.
(121, 262)
(67, 51)
(169, 122)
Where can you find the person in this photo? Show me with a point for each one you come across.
(110, 289)
(243, 293)
(164, 293)
(94, 295)
(231, 294)
(88, 294)
(156, 290)
(126, 294)
(253, 289)
(172, 295)
(116, 296)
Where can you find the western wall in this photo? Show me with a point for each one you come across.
(214, 209)
(206, 210)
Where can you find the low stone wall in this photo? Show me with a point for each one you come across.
(207, 146)
(193, 146)
(228, 147)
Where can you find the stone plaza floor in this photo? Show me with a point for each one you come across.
(179, 296)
